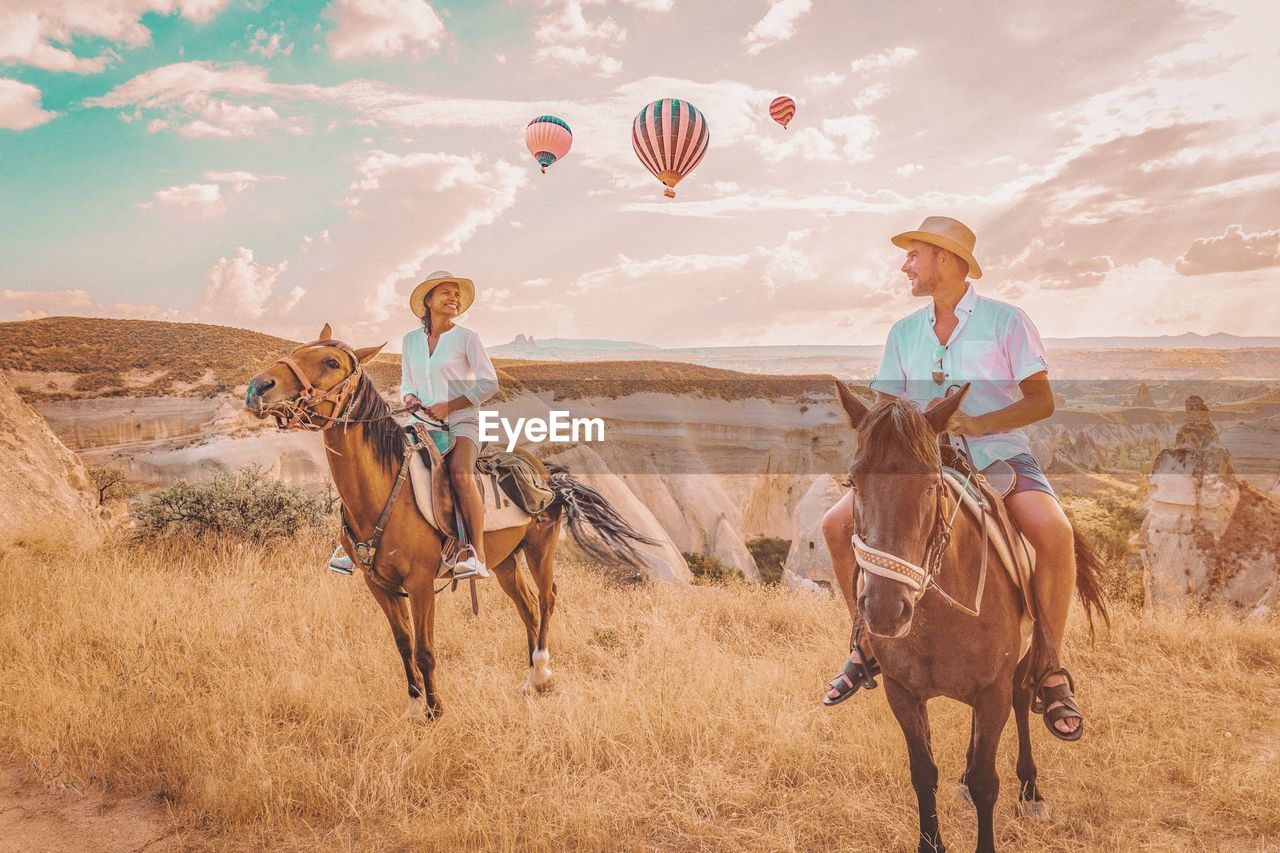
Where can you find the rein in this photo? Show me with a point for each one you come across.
(920, 579)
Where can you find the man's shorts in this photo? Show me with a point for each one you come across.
(1029, 476)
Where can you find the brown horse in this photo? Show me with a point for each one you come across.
(323, 386)
(926, 646)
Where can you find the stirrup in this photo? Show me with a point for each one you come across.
(340, 563)
(470, 568)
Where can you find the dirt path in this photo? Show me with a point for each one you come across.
(56, 818)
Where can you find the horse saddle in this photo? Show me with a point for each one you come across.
(433, 491)
(984, 503)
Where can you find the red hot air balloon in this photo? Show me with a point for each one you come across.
(548, 139)
(670, 136)
(782, 109)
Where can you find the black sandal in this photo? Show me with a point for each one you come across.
(856, 673)
(1064, 693)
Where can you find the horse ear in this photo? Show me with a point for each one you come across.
(367, 354)
(941, 413)
(326, 334)
(853, 407)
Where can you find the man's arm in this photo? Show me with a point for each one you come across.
(1036, 405)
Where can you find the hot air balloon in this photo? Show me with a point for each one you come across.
(548, 139)
(781, 110)
(670, 136)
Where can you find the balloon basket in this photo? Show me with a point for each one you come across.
(669, 193)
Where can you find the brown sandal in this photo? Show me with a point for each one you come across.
(858, 672)
(1046, 697)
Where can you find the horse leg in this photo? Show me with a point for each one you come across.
(913, 718)
(990, 713)
(963, 791)
(514, 585)
(1029, 800)
(397, 612)
(422, 600)
(540, 553)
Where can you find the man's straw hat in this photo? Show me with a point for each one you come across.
(946, 233)
(418, 299)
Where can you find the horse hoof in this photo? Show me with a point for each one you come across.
(1034, 809)
(963, 795)
(416, 707)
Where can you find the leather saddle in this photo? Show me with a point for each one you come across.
(433, 490)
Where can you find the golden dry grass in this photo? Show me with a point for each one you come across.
(260, 694)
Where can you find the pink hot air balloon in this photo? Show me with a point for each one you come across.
(670, 136)
(782, 109)
(548, 139)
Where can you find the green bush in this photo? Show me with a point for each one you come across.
(708, 570)
(770, 554)
(247, 504)
(1109, 521)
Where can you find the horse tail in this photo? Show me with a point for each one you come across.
(584, 507)
(1089, 584)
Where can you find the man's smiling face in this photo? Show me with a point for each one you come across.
(921, 267)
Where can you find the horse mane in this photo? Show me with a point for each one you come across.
(893, 432)
(373, 413)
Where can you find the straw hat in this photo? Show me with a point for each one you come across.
(418, 299)
(945, 233)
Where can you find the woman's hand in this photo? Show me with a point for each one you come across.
(438, 411)
(412, 400)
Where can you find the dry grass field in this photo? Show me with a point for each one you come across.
(260, 694)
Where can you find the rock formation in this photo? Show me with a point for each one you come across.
(43, 485)
(1209, 538)
(808, 562)
(1143, 399)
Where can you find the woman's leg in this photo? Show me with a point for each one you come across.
(462, 471)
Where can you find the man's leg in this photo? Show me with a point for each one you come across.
(837, 529)
(1042, 521)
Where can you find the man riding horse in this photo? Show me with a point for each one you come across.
(961, 337)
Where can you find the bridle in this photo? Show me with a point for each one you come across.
(919, 579)
(302, 412)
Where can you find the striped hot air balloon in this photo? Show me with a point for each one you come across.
(548, 139)
(670, 136)
(781, 110)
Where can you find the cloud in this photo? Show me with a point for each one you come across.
(1233, 251)
(268, 45)
(20, 106)
(889, 58)
(186, 94)
(37, 34)
(777, 25)
(871, 95)
(567, 37)
(239, 287)
(838, 140)
(208, 197)
(383, 28)
(818, 82)
(908, 169)
(34, 304)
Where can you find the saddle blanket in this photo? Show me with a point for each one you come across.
(500, 512)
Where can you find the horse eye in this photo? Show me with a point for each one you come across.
(332, 362)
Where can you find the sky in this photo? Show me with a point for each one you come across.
(275, 166)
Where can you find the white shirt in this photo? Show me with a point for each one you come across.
(994, 346)
(459, 367)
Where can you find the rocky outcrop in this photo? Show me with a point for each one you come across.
(1143, 399)
(1209, 538)
(808, 562)
(43, 485)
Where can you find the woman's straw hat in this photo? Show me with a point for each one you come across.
(418, 299)
(946, 233)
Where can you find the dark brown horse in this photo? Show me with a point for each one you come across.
(323, 386)
(926, 646)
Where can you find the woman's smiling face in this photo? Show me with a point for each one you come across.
(445, 299)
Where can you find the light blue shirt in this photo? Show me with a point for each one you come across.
(994, 346)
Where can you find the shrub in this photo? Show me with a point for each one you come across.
(770, 554)
(246, 504)
(112, 484)
(708, 570)
(1109, 522)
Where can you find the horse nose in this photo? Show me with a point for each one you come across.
(256, 389)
